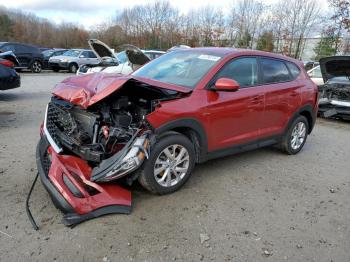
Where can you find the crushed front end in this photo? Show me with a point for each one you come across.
(334, 96)
(335, 100)
(95, 132)
(80, 150)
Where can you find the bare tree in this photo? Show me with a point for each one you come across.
(244, 18)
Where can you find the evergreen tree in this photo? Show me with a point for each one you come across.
(265, 42)
(325, 47)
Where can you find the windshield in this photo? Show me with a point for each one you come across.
(74, 53)
(183, 68)
(48, 53)
(122, 58)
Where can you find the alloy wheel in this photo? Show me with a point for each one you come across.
(298, 135)
(36, 67)
(171, 165)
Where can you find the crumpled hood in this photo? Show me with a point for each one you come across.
(88, 89)
(335, 66)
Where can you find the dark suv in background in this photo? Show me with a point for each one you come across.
(29, 57)
(50, 53)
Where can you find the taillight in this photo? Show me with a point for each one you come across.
(7, 63)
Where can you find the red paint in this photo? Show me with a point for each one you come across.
(89, 89)
(6, 63)
(109, 194)
(229, 118)
(226, 84)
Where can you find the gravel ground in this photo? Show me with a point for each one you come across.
(257, 206)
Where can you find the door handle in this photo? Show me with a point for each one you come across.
(256, 99)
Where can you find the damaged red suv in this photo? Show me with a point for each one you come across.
(184, 108)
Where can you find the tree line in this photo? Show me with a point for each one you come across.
(281, 27)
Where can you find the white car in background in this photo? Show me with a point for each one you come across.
(124, 62)
(316, 75)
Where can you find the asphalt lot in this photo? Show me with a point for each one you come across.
(257, 206)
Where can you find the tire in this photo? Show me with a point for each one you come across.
(56, 69)
(292, 142)
(73, 68)
(174, 142)
(36, 67)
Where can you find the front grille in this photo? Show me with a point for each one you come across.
(58, 120)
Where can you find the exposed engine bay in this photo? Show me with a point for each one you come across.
(335, 93)
(113, 135)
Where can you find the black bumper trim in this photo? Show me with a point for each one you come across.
(72, 219)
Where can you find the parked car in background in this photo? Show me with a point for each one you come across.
(50, 53)
(29, 56)
(335, 93)
(42, 49)
(9, 78)
(72, 59)
(308, 65)
(9, 55)
(316, 75)
(124, 62)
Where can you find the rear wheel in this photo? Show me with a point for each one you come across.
(169, 166)
(36, 67)
(295, 138)
(73, 68)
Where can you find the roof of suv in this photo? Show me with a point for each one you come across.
(224, 51)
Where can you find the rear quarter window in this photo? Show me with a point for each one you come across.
(274, 71)
(294, 70)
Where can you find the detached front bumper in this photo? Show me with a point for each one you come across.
(334, 108)
(67, 180)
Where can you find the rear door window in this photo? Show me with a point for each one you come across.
(6, 48)
(274, 71)
(92, 55)
(22, 49)
(84, 54)
(244, 70)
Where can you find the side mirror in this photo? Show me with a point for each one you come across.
(82, 56)
(226, 84)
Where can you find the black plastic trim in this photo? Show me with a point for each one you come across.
(72, 219)
(56, 197)
(306, 108)
(193, 124)
(244, 147)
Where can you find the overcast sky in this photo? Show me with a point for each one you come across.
(92, 12)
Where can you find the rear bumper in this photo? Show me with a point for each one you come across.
(66, 179)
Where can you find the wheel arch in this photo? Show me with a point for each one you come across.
(193, 130)
(307, 111)
(73, 63)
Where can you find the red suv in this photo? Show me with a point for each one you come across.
(183, 108)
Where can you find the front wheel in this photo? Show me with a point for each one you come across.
(295, 138)
(36, 67)
(73, 68)
(169, 166)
